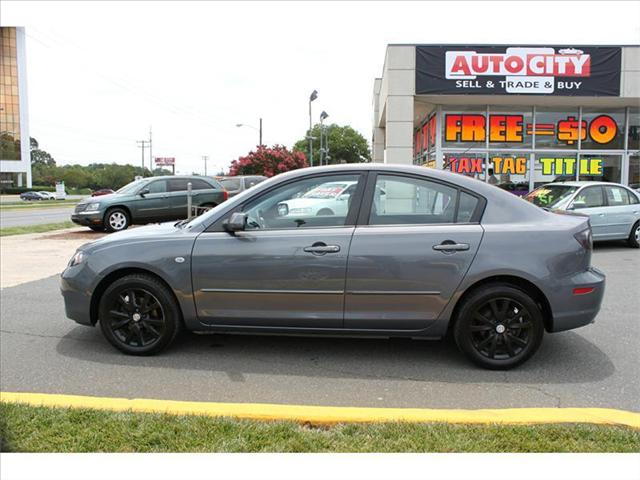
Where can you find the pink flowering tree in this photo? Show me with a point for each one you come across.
(268, 161)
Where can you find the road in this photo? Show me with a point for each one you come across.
(34, 216)
(595, 366)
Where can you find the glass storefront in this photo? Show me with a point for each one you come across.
(9, 99)
(521, 148)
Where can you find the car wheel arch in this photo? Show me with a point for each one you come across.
(513, 281)
(114, 275)
(122, 207)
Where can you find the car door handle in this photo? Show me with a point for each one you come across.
(321, 249)
(450, 246)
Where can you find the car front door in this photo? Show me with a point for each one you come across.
(409, 253)
(284, 270)
(591, 201)
(153, 205)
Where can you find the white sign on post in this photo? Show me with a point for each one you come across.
(61, 194)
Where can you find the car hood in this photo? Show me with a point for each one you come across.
(146, 232)
(103, 198)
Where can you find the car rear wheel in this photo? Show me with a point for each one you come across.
(139, 315)
(498, 327)
(634, 236)
(116, 220)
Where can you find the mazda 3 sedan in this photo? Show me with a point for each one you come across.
(416, 253)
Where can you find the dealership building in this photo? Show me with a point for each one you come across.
(15, 156)
(518, 116)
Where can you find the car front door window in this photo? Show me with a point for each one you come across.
(590, 197)
(312, 202)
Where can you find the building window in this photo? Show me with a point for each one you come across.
(633, 131)
(603, 168)
(603, 130)
(556, 129)
(634, 171)
(509, 171)
(9, 110)
(464, 128)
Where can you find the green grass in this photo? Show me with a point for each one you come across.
(40, 429)
(22, 205)
(4, 232)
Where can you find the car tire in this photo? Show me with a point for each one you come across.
(139, 315)
(116, 220)
(498, 326)
(634, 236)
(97, 228)
(324, 212)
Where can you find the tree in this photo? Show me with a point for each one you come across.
(345, 145)
(39, 157)
(268, 161)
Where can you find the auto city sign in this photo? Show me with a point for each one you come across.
(518, 70)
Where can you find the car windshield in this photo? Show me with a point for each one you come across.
(548, 196)
(132, 187)
(328, 190)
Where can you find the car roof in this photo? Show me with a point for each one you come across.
(583, 183)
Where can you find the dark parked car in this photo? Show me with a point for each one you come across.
(239, 183)
(442, 253)
(153, 199)
(102, 191)
(31, 196)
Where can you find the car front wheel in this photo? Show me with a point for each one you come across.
(116, 220)
(139, 315)
(499, 327)
(634, 237)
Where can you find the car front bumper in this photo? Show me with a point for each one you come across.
(74, 286)
(571, 310)
(87, 219)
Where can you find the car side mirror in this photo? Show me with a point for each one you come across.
(577, 204)
(143, 192)
(237, 222)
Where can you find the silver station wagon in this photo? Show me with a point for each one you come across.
(416, 253)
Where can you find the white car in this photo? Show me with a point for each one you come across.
(327, 199)
(48, 195)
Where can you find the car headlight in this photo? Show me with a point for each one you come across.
(77, 258)
(301, 210)
(92, 207)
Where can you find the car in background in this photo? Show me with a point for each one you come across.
(239, 183)
(102, 191)
(31, 196)
(149, 200)
(519, 189)
(447, 254)
(47, 195)
(331, 198)
(613, 209)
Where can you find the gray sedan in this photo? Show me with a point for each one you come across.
(441, 253)
(613, 209)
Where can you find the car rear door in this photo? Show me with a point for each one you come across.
(621, 214)
(415, 241)
(177, 188)
(285, 270)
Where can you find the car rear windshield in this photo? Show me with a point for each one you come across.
(230, 183)
(549, 196)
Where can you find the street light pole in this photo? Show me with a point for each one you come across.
(205, 158)
(251, 126)
(312, 97)
(260, 144)
(323, 149)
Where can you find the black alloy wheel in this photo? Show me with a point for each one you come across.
(499, 327)
(138, 315)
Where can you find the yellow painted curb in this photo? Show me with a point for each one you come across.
(331, 415)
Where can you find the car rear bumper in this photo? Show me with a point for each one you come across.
(573, 309)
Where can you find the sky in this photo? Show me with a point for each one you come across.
(100, 74)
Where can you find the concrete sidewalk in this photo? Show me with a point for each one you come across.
(25, 258)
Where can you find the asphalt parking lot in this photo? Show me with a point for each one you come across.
(596, 366)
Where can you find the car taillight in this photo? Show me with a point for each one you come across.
(585, 239)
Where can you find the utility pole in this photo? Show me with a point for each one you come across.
(143, 144)
(150, 151)
(260, 144)
(312, 97)
(205, 158)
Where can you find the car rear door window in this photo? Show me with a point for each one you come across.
(590, 197)
(408, 200)
(178, 184)
(198, 184)
(231, 184)
(466, 208)
(616, 196)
